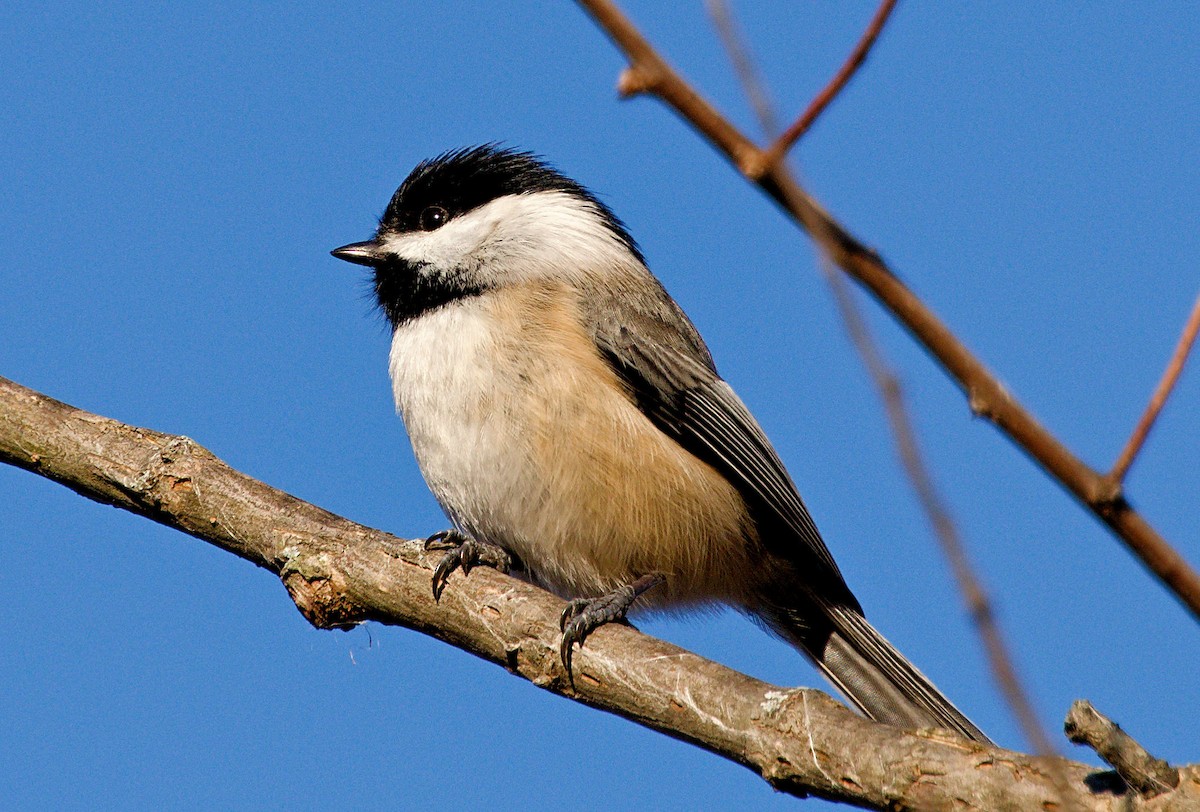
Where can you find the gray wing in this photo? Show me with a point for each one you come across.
(658, 353)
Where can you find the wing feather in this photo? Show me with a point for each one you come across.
(672, 379)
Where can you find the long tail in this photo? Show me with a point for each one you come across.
(872, 674)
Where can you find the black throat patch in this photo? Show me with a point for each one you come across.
(404, 291)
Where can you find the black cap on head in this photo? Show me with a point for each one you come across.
(434, 194)
(465, 179)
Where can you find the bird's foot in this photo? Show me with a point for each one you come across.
(463, 553)
(583, 616)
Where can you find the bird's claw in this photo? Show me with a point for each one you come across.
(582, 616)
(444, 540)
(463, 553)
(573, 608)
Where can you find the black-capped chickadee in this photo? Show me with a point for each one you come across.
(565, 412)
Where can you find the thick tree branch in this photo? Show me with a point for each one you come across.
(987, 396)
(340, 573)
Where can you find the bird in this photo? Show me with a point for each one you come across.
(570, 421)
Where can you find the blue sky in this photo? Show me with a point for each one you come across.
(176, 176)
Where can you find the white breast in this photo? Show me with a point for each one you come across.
(443, 368)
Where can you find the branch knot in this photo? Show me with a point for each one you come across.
(319, 590)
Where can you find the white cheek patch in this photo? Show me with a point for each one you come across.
(518, 238)
(553, 234)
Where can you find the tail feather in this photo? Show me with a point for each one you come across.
(875, 677)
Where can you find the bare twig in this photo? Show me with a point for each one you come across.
(743, 66)
(891, 392)
(817, 106)
(340, 573)
(1147, 775)
(1159, 398)
(988, 398)
(945, 529)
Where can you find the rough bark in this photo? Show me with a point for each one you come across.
(340, 573)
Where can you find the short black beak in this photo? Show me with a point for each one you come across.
(360, 253)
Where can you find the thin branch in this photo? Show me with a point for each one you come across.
(1147, 775)
(839, 81)
(1159, 398)
(979, 606)
(988, 398)
(887, 382)
(743, 66)
(340, 573)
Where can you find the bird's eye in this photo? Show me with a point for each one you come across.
(433, 218)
